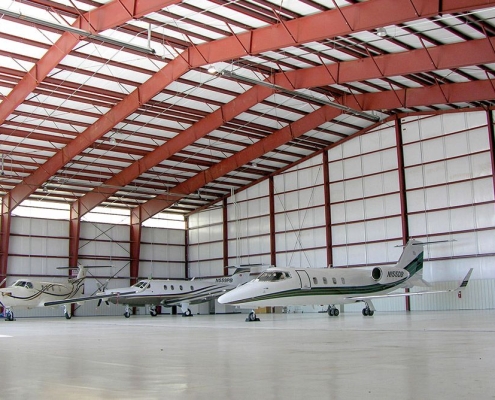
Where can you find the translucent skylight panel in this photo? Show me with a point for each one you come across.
(122, 73)
(296, 6)
(463, 27)
(225, 11)
(22, 49)
(40, 112)
(451, 76)
(478, 73)
(18, 65)
(402, 80)
(336, 53)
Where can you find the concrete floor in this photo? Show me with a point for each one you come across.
(420, 355)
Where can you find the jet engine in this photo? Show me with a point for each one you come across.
(388, 274)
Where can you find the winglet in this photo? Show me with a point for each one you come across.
(465, 280)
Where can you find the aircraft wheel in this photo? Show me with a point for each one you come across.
(153, 313)
(9, 315)
(336, 312)
(67, 315)
(187, 313)
(365, 312)
(370, 313)
(252, 317)
(127, 314)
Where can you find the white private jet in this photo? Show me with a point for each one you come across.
(28, 293)
(169, 292)
(290, 286)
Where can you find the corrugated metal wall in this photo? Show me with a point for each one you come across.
(39, 246)
(449, 196)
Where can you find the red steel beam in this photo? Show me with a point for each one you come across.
(269, 143)
(104, 17)
(337, 22)
(463, 92)
(198, 130)
(468, 91)
(358, 17)
(449, 57)
(5, 217)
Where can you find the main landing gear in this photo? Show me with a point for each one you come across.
(67, 313)
(127, 311)
(252, 317)
(187, 313)
(367, 311)
(9, 315)
(153, 311)
(333, 311)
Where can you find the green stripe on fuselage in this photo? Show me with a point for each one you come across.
(342, 291)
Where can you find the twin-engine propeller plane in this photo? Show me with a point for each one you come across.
(169, 292)
(28, 293)
(308, 286)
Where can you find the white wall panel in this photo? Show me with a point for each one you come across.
(339, 235)
(302, 259)
(480, 165)
(206, 251)
(104, 231)
(336, 171)
(433, 150)
(337, 192)
(353, 168)
(209, 217)
(253, 192)
(478, 140)
(353, 189)
(163, 236)
(380, 184)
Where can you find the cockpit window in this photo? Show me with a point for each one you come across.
(273, 276)
(141, 284)
(25, 284)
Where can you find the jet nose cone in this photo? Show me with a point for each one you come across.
(224, 298)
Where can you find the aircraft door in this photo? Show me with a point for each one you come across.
(304, 278)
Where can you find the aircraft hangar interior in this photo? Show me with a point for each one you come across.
(157, 155)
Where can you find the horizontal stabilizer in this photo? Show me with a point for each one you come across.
(461, 286)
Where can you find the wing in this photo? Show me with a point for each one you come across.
(461, 286)
(89, 298)
(196, 297)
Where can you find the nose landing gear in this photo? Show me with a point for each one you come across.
(333, 311)
(252, 317)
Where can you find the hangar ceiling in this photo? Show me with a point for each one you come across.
(171, 105)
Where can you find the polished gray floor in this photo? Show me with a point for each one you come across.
(420, 355)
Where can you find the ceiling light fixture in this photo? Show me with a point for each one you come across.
(80, 32)
(349, 110)
(212, 70)
(112, 141)
(382, 32)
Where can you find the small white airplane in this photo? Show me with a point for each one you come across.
(27, 293)
(169, 292)
(290, 286)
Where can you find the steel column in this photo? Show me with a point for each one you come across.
(5, 221)
(491, 140)
(327, 206)
(273, 228)
(135, 243)
(74, 233)
(225, 237)
(428, 96)
(402, 191)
